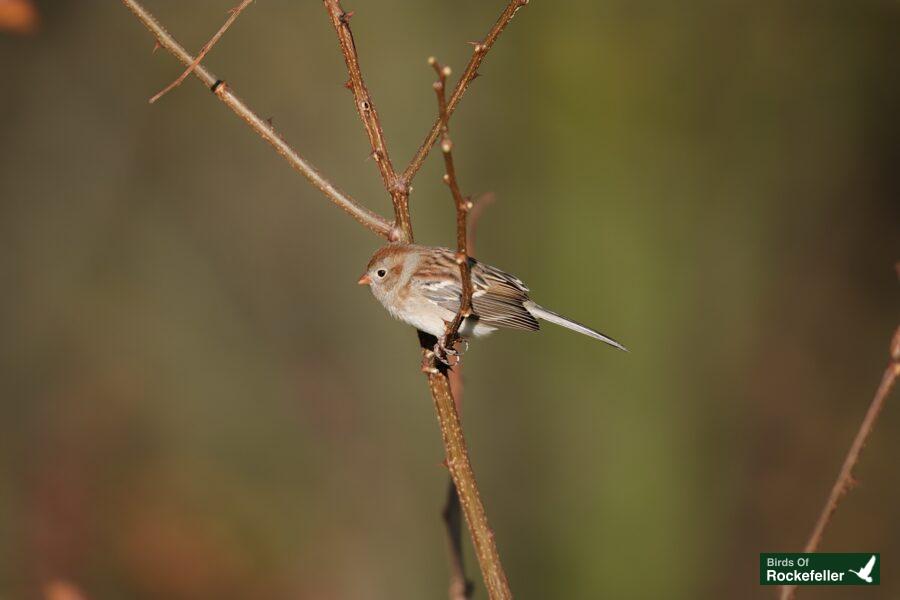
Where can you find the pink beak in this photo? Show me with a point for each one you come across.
(365, 280)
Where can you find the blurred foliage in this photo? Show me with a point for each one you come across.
(197, 401)
(18, 16)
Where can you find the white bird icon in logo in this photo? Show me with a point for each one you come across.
(866, 572)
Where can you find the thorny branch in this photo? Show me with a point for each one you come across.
(457, 456)
(845, 480)
(223, 92)
(463, 206)
(398, 190)
(233, 15)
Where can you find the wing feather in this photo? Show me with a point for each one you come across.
(498, 298)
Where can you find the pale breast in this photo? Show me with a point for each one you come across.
(424, 315)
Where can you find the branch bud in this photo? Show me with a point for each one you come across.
(447, 146)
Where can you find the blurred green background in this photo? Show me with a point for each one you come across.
(198, 401)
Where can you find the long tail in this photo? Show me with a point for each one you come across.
(542, 313)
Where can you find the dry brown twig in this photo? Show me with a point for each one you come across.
(223, 92)
(398, 186)
(232, 16)
(479, 52)
(462, 204)
(365, 107)
(845, 479)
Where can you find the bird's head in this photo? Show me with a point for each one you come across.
(385, 269)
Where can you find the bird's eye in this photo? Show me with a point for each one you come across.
(381, 272)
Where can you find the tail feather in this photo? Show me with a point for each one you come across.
(542, 313)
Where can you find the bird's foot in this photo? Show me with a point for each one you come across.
(445, 348)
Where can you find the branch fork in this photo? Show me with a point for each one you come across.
(399, 186)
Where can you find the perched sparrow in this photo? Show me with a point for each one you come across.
(421, 286)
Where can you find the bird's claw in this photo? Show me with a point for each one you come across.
(445, 348)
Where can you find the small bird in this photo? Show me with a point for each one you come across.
(422, 286)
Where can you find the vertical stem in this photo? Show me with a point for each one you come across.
(462, 204)
(464, 479)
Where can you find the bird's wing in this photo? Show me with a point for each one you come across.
(497, 297)
(865, 571)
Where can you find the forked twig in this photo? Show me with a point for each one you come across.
(845, 480)
(234, 12)
(365, 107)
(479, 52)
(223, 92)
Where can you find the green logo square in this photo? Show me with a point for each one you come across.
(819, 568)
